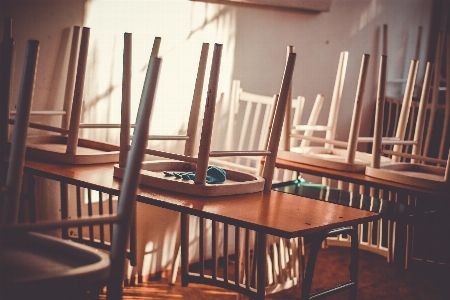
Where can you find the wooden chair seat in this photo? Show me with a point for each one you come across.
(35, 265)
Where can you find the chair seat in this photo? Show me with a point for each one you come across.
(32, 259)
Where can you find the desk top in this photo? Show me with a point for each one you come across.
(273, 212)
(360, 178)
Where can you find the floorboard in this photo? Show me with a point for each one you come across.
(377, 280)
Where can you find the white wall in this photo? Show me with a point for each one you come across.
(254, 40)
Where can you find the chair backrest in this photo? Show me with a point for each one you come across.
(275, 115)
(330, 127)
(249, 119)
(11, 199)
(248, 128)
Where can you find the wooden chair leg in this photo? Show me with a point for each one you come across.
(30, 198)
(175, 262)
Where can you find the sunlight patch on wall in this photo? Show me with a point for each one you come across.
(183, 27)
(374, 8)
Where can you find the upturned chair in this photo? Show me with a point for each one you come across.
(413, 172)
(345, 157)
(242, 281)
(191, 130)
(64, 269)
(330, 127)
(154, 172)
(63, 144)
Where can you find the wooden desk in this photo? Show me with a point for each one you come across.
(362, 179)
(273, 212)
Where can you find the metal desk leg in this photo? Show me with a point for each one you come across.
(184, 229)
(261, 266)
(64, 189)
(316, 245)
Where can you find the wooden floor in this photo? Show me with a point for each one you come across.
(377, 280)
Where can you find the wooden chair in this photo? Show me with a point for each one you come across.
(335, 154)
(153, 172)
(412, 173)
(59, 267)
(327, 155)
(242, 279)
(265, 113)
(63, 143)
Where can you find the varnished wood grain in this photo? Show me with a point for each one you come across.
(362, 179)
(272, 212)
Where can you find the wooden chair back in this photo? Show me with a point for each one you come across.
(248, 128)
(248, 124)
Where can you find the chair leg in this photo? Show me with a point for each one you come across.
(31, 199)
(315, 247)
(176, 262)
